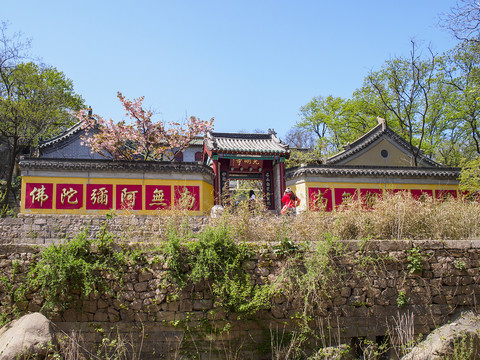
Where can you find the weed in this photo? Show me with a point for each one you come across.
(415, 260)
(402, 299)
(460, 265)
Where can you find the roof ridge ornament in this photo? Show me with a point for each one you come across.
(383, 122)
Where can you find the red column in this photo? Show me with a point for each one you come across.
(216, 180)
(282, 178)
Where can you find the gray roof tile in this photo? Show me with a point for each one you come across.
(245, 143)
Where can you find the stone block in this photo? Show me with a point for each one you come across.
(429, 244)
(202, 305)
(136, 305)
(127, 315)
(170, 306)
(102, 304)
(141, 287)
(70, 315)
(101, 316)
(458, 244)
(394, 245)
(186, 305)
(144, 276)
(141, 317)
(475, 243)
(162, 316)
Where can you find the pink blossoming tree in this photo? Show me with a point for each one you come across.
(143, 139)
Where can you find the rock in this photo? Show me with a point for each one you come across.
(30, 335)
(459, 337)
(216, 211)
(340, 352)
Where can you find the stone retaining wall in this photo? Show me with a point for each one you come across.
(36, 229)
(364, 302)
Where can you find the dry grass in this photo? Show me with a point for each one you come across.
(395, 216)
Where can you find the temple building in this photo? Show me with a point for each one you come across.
(378, 161)
(67, 178)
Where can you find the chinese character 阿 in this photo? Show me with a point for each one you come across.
(128, 198)
(69, 194)
(39, 195)
(186, 200)
(158, 198)
(99, 196)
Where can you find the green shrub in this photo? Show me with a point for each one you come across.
(78, 267)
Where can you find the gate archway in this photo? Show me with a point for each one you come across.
(242, 156)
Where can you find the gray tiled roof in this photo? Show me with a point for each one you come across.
(113, 165)
(80, 126)
(372, 136)
(63, 136)
(245, 143)
(374, 171)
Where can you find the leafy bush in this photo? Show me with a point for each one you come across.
(76, 267)
(217, 259)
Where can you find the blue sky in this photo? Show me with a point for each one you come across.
(249, 64)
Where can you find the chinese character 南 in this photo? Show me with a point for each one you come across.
(99, 196)
(128, 198)
(158, 198)
(39, 195)
(69, 195)
(319, 201)
(187, 199)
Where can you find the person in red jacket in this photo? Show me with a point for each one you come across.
(291, 201)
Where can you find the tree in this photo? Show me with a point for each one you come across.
(34, 102)
(463, 21)
(319, 117)
(145, 139)
(462, 77)
(302, 148)
(335, 121)
(411, 90)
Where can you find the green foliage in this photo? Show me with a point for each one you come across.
(311, 278)
(217, 259)
(463, 348)
(76, 267)
(415, 260)
(402, 299)
(470, 176)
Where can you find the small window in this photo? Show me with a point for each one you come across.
(384, 153)
(198, 156)
(179, 157)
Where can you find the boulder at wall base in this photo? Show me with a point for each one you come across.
(459, 339)
(30, 335)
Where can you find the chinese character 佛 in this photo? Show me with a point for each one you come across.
(39, 195)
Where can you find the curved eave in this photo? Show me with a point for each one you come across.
(356, 171)
(65, 135)
(250, 152)
(113, 166)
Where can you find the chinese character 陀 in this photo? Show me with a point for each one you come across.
(69, 194)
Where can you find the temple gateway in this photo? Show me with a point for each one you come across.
(67, 178)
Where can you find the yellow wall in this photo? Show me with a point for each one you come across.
(302, 188)
(205, 192)
(373, 156)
